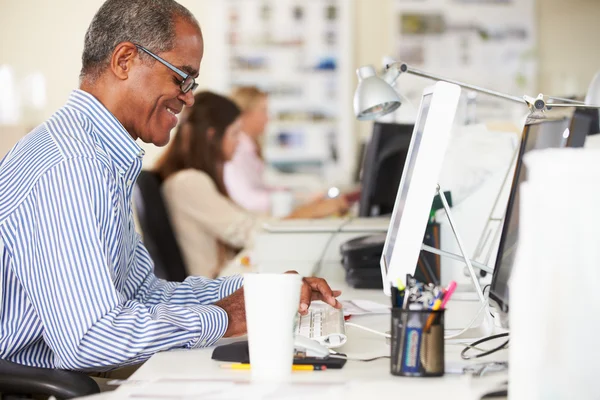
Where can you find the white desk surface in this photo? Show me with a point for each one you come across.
(186, 373)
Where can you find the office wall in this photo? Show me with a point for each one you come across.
(568, 45)
(47, 37)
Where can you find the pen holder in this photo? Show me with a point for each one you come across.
(417, 343)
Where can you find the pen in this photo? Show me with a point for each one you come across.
(295, 367)
(436, 306)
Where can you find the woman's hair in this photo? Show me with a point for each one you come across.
(246, 97)
(191, 147)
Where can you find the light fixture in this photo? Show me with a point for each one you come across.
(375, 97)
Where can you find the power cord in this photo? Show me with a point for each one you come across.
(319, 263)
(463, 353)
(470, 324)
(387, 335)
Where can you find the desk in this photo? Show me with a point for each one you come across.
(184, 371)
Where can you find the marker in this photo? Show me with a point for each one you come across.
(295, 367)
(449, 290)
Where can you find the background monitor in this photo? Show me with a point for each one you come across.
(584, 122)
(537, 134)
(382, 168)
(418, 183)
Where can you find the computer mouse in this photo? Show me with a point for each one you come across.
(312, 347)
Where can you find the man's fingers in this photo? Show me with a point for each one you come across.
(305, 297)
(318, 296)
(316, 289)
(323, 292)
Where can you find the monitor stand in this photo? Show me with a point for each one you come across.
(486, 326)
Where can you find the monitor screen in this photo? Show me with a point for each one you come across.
(584, 122)
(418, 183)
(410, 166)
(537, 134)
(382, 168)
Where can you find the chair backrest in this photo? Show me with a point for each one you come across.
(18, 381)
(157, 231)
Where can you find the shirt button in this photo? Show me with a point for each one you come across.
(129, 182)
(203, 342)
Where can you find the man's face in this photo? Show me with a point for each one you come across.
(154, 96)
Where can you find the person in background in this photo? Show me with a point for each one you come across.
(210, 227)
(244, 172)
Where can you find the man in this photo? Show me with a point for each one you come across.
(78, 291)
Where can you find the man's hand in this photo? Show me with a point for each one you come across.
(316, 289)
(312, 289)
(235, 307)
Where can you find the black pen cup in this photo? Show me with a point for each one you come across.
(417, 343)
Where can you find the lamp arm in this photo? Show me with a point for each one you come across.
(588, 106)
(564, 100)
(402, 67)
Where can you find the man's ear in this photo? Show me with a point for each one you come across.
(122, 59)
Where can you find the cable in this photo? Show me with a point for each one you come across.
(319, 263)
(469, 325)
(345, 357)
(463, 353)
(387, 335)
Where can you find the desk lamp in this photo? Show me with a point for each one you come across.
(375, 97)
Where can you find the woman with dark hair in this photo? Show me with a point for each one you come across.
(209, 226)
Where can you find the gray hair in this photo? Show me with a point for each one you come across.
(150, 23)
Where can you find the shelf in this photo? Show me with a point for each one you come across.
(305, 78)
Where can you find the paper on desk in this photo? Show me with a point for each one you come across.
(173, 389)
(363, 307)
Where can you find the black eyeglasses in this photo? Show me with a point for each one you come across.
(188, 82)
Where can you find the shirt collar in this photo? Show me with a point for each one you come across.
(119, 144)
(246, 142)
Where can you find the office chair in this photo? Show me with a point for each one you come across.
(158, 234)
(21, 381)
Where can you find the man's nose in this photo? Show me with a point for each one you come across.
(187, 98)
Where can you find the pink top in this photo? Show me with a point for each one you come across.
(244, 178)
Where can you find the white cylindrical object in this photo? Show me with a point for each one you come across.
(282, 203)
(554, 316)
(271, 305)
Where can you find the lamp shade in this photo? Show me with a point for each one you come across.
(373, 97)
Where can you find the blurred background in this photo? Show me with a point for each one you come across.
(305, 52)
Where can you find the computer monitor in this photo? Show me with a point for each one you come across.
(418, 183)
(584, 122)
(537, 134)
(382, 168)
(360, 160)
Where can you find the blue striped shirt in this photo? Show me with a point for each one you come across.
(77, 285)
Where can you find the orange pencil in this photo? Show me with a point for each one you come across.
(304, 367)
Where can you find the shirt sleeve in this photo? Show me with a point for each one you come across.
(79, 277)
(194, 290)
(243, 189)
